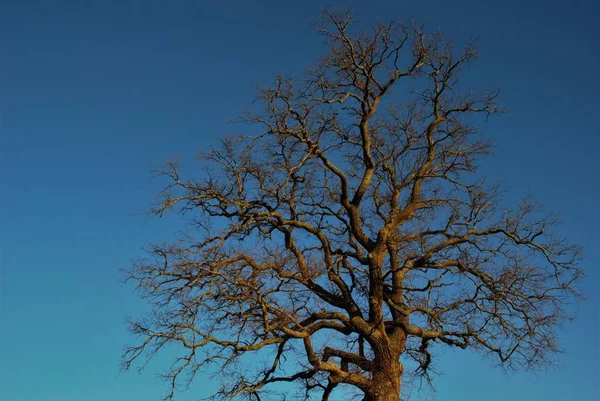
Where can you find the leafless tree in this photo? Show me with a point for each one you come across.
(351, 236)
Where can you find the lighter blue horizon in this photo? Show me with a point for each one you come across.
(93, 93)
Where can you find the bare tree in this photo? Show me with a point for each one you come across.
(351, 236)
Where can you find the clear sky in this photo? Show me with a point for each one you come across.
(93, 92)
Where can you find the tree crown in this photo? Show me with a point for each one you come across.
(352, 234)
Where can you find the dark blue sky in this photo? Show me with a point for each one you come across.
(93, 92)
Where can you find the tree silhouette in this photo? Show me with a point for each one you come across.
(352, 235)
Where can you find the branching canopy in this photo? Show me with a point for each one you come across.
(352, 232)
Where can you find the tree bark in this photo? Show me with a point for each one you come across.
(386, 383)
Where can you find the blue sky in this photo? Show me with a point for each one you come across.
(91, 93)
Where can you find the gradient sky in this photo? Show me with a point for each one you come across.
(93, 92)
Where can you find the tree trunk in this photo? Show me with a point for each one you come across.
(386, 383)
